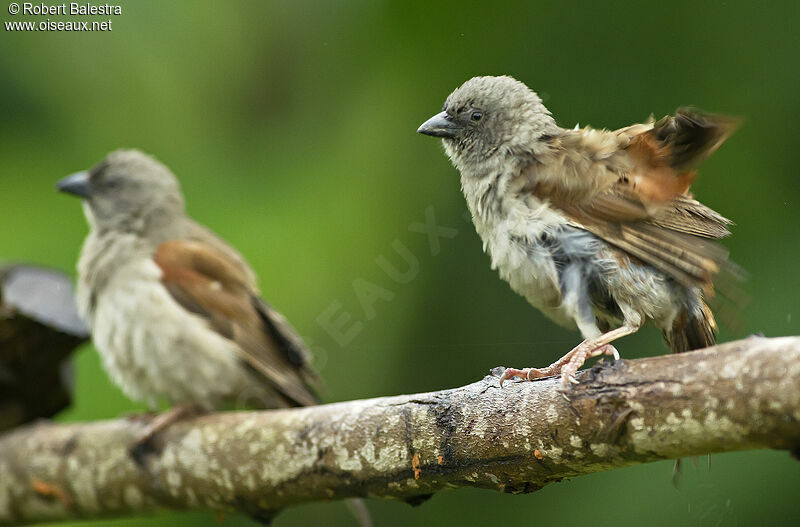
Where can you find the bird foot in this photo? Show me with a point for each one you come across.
(578, 356)
(567, 366)
(143, 445)
(527, 374)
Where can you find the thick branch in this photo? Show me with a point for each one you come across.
(742, 395)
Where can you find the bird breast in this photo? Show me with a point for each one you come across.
(512, 228)
(154, 349)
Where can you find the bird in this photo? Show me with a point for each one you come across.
(596, 228)
(173, 310)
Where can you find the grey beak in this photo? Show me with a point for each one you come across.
(77, 184)
(439, 126)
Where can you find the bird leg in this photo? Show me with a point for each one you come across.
(144, 442)
(567, 366)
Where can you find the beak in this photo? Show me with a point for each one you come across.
(439, 126)
(77, 184)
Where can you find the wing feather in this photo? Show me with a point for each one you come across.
(206, 282)
(630, 188)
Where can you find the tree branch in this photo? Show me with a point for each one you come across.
(738, 396)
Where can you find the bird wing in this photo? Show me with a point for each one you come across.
(630, 187)
(206, 281)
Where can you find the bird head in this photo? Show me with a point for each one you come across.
(128, 190)
(489, 116)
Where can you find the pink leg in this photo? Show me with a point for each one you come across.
(142, 446)
(567, 366)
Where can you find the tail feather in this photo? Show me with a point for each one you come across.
(694, 329)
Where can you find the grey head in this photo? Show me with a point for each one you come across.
(488, 117)
(127, 191)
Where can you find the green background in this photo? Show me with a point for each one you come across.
(292, 129)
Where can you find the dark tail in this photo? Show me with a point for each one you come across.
(693, 329)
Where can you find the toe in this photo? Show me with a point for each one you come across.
(510, 373)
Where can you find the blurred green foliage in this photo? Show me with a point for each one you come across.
(292, 128)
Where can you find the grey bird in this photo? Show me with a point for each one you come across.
(174, 311)
(595, 228)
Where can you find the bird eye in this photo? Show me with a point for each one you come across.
(111, 184)
(476, 116)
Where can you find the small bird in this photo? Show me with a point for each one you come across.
(595, 228)
(174, 311)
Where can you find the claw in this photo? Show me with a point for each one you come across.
(611, 351)
(510, 373)
(527, 374)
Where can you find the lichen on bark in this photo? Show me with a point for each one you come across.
(519, 438)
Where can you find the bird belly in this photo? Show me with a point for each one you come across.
(155, 350)
(645, 293)
(615, 289)
(527, 265)
(532, 278)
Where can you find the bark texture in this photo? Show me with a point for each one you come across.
(738, 396)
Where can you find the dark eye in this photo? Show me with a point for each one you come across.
(476, 116)
(111, 184)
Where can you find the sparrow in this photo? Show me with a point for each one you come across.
(173, 310)
(595, 228)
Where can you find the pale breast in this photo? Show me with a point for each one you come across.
(155, 350)
(511, 231)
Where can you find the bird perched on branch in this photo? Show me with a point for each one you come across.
(174, 311)
(595, 228)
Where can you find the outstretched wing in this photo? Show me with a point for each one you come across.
(631, 188)
(207, 282)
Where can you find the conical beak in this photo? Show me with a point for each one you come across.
(77, 184)
(439, 126)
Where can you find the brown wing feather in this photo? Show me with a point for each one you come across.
(204, 281)
(630, 188)
(687, 215)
